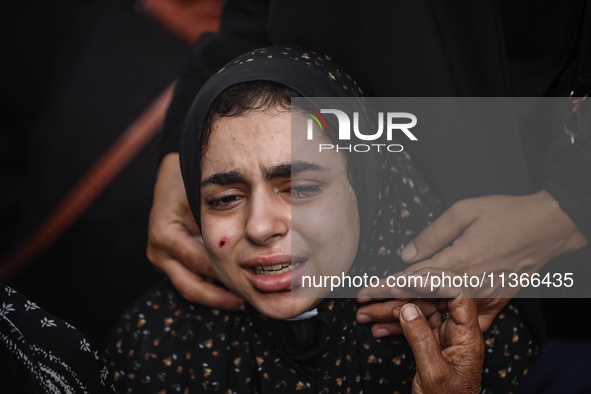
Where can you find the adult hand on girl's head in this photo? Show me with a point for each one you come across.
(449, 356)
(172, 246)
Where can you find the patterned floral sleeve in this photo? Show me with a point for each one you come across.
(41, 353)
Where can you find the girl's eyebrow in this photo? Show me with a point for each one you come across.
(223, 178)
(295, 168)
(279, 171)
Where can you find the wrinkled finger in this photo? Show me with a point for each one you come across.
(463, 343)
(380, 312)
(464, 311)
(429, 307)
(468, 335)
(391, 325)
(425, 348)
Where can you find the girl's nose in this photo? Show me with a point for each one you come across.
(268, 217)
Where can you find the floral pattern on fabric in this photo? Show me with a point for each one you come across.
(44, 353)
(167, 344)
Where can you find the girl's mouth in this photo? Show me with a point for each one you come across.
(276, 269)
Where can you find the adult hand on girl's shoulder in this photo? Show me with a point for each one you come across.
(495, 234)
(384, 324)
(172, 244)
(423, 292)
(490, 235)
(449, 355)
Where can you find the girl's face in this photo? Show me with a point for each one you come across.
(250, 187)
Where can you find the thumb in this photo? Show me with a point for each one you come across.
(441, 233)
(420, 337)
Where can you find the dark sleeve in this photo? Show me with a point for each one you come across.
(42, 353)
(569, 177)
(243, 27)
(568, 165)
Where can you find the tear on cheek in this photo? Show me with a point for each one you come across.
(222, 242)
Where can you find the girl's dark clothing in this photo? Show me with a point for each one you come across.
(206, 349)
(165, 342)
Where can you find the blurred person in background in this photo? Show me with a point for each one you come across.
(77, 74)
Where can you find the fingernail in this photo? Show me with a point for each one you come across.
(409, 252)
(381, 332)
(410, 313)
(363, 319)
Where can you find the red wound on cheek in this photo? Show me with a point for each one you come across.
(222, 242)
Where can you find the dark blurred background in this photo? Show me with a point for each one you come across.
(74, 75)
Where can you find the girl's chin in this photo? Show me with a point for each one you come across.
(282, 306)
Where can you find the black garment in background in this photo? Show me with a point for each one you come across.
(422, 48)
(32, 34)
(115, 62)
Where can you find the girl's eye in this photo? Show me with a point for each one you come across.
(304, 191)
(222, 202)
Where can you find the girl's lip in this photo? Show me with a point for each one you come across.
(267, 260)
(272, 283)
